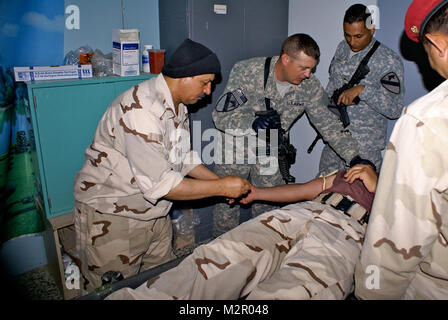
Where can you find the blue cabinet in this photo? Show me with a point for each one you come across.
(64, 116)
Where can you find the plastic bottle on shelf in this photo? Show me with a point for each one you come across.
(145, 58)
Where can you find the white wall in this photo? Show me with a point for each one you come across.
(322, 20)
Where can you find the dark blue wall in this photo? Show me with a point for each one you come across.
(419, 78)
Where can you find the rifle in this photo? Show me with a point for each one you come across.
(341, 109)
(286, 151)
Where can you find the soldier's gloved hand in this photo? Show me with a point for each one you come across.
(358, 160)
(268, 120)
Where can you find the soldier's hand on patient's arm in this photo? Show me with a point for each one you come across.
(234, 186)
(365, 173)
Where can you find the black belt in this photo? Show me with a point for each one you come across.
(345, 204)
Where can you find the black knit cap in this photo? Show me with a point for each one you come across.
(191, 59)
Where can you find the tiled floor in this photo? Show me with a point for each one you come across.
(38, 284)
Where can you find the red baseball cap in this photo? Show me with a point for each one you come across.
(418, 15)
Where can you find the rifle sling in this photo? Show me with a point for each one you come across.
(364, 61)
(267, 64)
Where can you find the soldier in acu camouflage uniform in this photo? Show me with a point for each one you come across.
(137, 164)
(293, 90)
(306, 250)
(380, 92)
(405, 254)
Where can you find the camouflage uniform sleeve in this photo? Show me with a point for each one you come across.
(328, 124)
(192, 158)
(333, 79)
(148, 156)
(378, 94)
(406, 218)
(242, 76)
(331, 86)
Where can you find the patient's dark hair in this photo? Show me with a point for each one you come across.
(437, 23)
(298, 42)
(357, 13)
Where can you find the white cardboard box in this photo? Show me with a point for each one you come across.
(53, 72)
(126, 52)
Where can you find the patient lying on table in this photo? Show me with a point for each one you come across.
(305, 250)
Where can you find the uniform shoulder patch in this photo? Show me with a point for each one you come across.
(391, 83)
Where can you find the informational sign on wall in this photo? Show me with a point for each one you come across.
(220, 8)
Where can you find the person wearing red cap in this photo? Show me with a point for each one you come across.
(140, 160)
(405, 252)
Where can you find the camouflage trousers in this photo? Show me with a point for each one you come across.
(227, 217)
(106, 242)
(330, 161)
(303, 251)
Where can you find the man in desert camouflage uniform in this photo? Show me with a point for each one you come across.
(137, 165)
(405, 254)
(293, 90)
(380, 92)
(306, 250)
